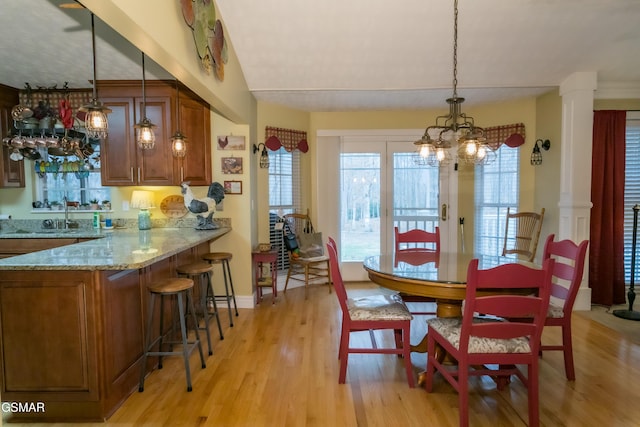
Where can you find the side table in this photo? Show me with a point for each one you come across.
(259, 258)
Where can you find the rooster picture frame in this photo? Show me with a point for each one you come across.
(231, 143)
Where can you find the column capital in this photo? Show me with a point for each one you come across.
(579, 81)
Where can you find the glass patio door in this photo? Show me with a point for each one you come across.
(380, 187)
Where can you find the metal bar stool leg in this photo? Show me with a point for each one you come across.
(233, 291)
(226, 291)
(185, 347)
(195, 329)
(211, 296)
(205, 313)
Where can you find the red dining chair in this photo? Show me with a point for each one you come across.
(375, 312)
(417, 239)
(475, 342)
(567, 275)
(417, 247)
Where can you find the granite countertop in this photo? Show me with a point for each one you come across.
(119, 249)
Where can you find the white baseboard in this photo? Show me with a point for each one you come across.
(583, 300)
(249, 301)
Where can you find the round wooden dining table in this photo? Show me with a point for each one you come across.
(441, 276)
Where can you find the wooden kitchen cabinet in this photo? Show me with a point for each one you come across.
(11, 172)
(123, 163)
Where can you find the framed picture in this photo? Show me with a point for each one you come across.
(230, 142)
(233, 187)
(231, 165)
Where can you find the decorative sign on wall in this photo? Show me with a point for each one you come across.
(229, 142)
(231, 165)
(208, 35)
(233, 187)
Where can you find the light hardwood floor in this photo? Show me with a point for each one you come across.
(278, 366)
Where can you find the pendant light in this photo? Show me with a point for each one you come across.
(95, 122)
(178, 140)
(433, 147)
(145, 135)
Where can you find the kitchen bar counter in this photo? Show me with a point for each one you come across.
(73, 328)
(119, 249)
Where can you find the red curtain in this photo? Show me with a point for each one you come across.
(606, 248)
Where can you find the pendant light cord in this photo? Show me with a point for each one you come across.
(93, 45)
(178, 103)
(144, 93)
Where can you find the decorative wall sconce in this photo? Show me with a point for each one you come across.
(536, 155)
(264, 155)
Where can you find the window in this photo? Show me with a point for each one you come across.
(359, 205)
(72, 181)
(284, 195)
(496, 189)
(631, 190)
(77, 187)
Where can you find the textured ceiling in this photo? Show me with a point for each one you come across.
(356, 54)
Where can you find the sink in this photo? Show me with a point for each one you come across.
(19, 231)
(53, 231)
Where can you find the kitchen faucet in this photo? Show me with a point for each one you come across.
(66, 211)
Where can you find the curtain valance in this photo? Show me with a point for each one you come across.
(288, 138)
(513, 135)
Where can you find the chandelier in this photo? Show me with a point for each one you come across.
(434, 147)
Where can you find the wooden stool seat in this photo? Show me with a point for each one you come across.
(195, 268)
(217, 256)
(170, 286)
(223, 259)
(179, 290)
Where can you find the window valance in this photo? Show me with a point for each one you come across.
(513, 135)
(288, 138)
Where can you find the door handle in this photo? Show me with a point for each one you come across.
(443, 214)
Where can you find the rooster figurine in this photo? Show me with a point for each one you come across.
(205, 208)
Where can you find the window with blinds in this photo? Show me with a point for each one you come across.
(631, 191)
(496, 189)
(284, 196)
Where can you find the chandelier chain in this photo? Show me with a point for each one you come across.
(455, 48)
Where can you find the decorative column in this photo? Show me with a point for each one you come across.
(577, 93)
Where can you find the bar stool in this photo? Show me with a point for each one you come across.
(201, 272)
(171, 287)
(223, 258)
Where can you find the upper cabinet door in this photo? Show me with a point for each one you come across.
(118, 151)
(155, 166)
(195, 124)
